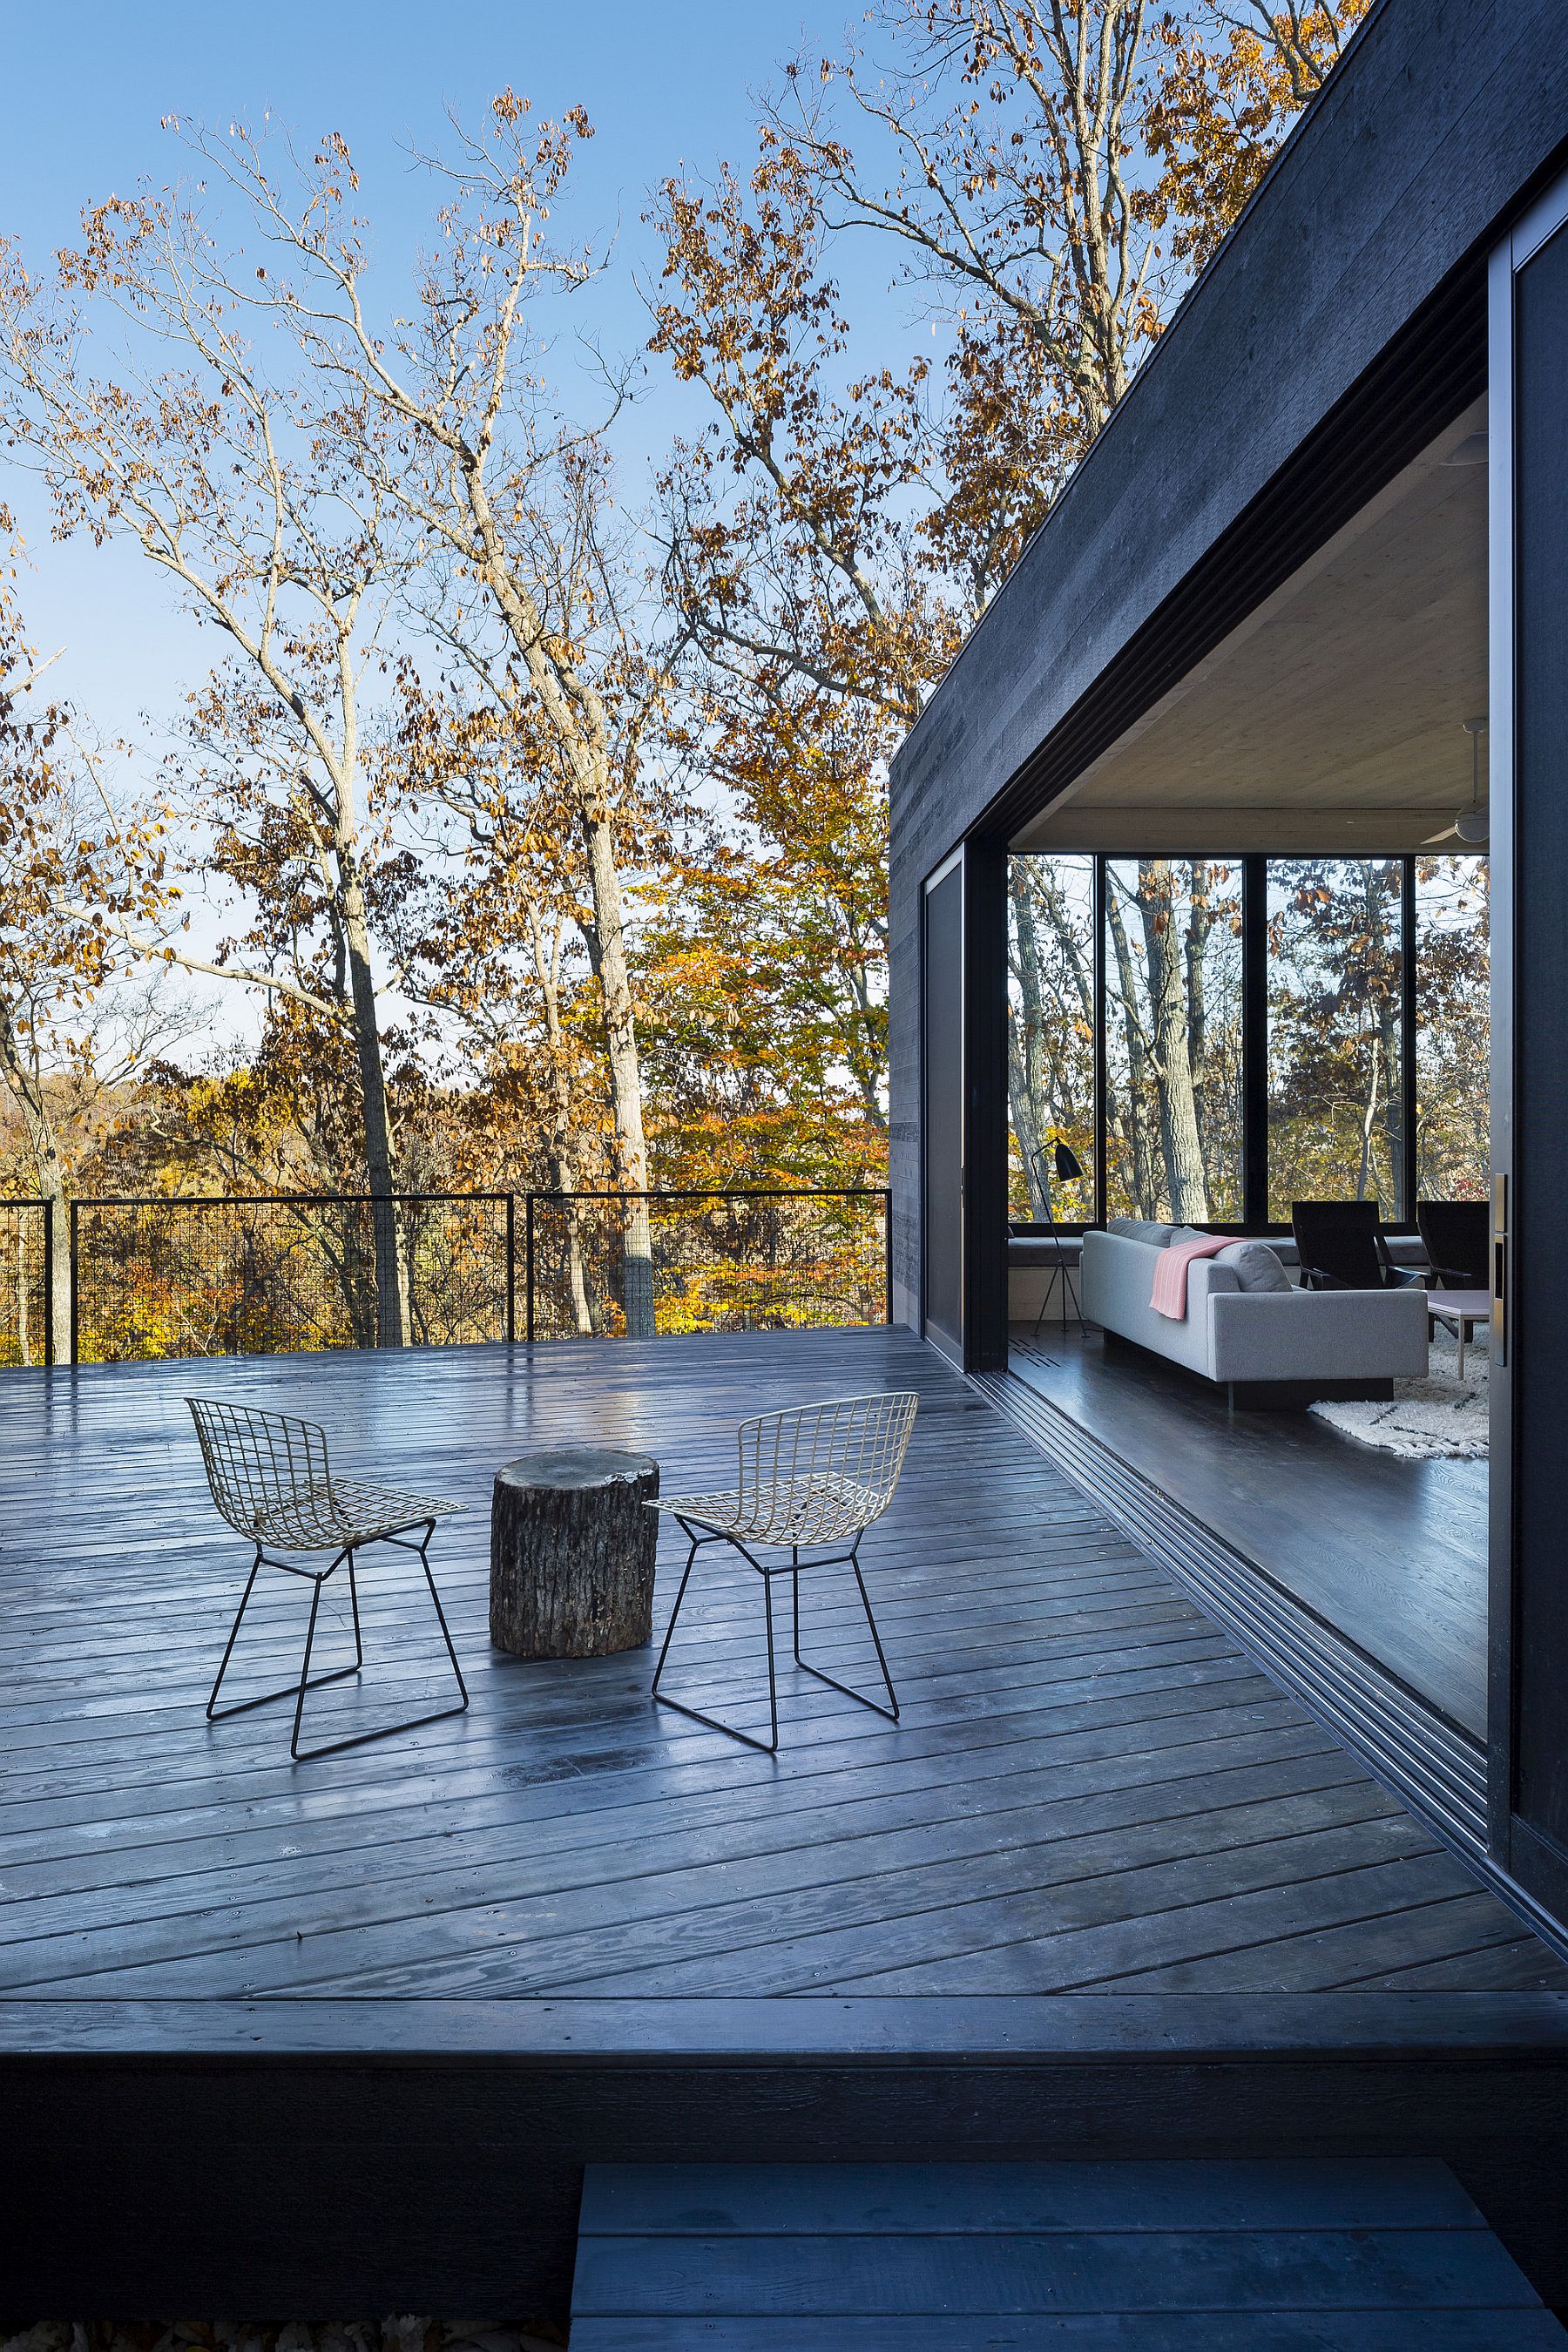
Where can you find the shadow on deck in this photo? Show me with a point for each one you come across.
(354, 2027)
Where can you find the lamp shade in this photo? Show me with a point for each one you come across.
(1067, 1168)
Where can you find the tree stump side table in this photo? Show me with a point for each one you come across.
(571, 1553)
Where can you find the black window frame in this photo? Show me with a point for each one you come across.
(1254, 867)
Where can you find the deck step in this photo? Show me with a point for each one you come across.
(1333, 2254)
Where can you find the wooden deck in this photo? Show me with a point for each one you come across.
(1392, 1552)
(1090, 1788)
(1262, 2257)
(1093, 1793)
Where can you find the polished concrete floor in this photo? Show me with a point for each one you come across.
(1391, 1552)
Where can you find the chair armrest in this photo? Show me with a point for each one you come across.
(1314, 1277)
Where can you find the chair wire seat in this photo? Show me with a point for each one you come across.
(341, 1511)
(269, 1478)
(813, 1475)
(821, 1510)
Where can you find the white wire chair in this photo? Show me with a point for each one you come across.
(270, 1476)
(820, 1474)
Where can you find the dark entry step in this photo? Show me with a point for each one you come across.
(1323, 2255)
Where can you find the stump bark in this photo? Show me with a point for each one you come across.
(571, 1553)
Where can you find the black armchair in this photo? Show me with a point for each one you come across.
(1458, 1242)
(1341, 1246)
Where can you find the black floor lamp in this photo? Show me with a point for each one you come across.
(1067, 1171)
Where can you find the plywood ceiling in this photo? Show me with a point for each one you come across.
(1333, 718)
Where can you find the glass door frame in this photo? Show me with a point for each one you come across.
(1255, 1140)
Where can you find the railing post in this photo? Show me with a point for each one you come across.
(511, 1268)
(49, 1283)
(76, 1282)
(529, 1267)
(887, 1244)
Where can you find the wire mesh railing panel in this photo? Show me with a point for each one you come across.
(460, 1268)
(266, 1277)
(23, 1282)
(760, 1261)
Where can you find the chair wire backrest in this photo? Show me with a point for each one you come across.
(820, 1472)
(259, 1462)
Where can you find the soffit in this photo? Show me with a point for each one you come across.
(1333, 716)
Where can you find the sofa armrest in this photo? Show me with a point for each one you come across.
(1318, 1335)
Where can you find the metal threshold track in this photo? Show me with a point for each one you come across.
(1433, 1766)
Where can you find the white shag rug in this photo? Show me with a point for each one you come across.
(1426, 1421)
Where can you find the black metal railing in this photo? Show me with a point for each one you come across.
(27, 1281)
(161, 1275)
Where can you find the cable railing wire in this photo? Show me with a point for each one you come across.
(161, 1275)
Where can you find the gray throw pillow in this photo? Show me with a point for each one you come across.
(1139, 1229)
(1187, 1233)
(1254, 1265)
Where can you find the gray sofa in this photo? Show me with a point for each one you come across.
(1274, 1347)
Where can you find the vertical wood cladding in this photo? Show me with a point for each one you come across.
(1540, 1010)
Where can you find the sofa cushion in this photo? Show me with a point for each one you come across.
(1255, 1267)
(1139, 1229)
(1188, 1234)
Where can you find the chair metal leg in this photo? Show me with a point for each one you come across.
(216, 1714)
(891, 1710)
(389, 1730)
(305, 1669)
(307, 1682)
(694, 1714)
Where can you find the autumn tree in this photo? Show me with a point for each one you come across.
(73, 867)
(508, 966)
(211, 449)
(814, 614)
(1453, 1062)
(522, 578)
(1227, 79)
(1048, 175)
(1336, 1069)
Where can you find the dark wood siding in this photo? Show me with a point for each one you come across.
(1541, 1012)
(1337, 330)
(941, 1081)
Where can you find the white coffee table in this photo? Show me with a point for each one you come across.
(1464, 1312)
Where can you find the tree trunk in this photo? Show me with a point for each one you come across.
(1145, 1196)
(577, 721)
(49, 1174)
(1180, 1142)
(1387, 975)
(571, 1553)
(1030, 1112)
(608, 953)
(393, 1315)
(562, 1159)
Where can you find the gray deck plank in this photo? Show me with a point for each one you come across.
(1207, 2331)
(1091, 1781)
(745, 2200)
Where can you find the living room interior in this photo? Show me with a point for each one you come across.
(1248, 967)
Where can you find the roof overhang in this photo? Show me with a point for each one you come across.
(1332, 718)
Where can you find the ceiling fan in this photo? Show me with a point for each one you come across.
(1473, 825)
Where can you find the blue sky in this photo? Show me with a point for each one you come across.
(84, 88)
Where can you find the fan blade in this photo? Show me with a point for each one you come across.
(1449, 833)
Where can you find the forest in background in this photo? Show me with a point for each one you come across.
(543, 809)
(1334, 955)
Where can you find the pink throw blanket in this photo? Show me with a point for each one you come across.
(1170, 1293)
